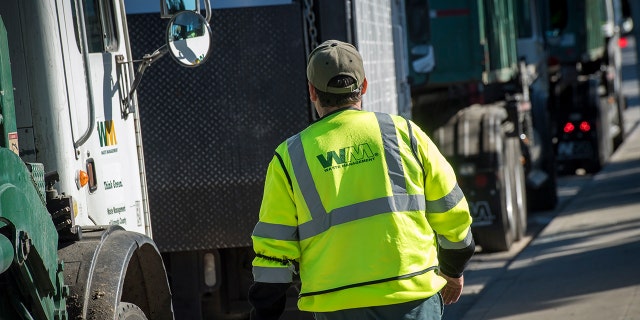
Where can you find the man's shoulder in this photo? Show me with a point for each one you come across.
(289, 140)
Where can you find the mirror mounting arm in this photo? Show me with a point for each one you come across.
(147, 60)
(207, 6)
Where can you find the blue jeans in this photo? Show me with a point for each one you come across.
(426, 309)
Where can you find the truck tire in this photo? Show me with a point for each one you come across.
(129, 311)
(519, 190)
(604, 140)
(621, 105)
(502, 233)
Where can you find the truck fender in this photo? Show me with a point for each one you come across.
(110, 266)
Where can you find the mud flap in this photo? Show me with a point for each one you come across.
(111, 265)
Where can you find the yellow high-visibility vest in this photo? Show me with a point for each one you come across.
(346, 199)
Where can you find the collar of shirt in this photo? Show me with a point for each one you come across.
(338, 111)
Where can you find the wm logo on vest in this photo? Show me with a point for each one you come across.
(346, 157)
(107, 133)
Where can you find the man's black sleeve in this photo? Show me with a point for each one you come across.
(454, 261)
(268, 300)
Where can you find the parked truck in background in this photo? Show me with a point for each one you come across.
(585, 80)
(210, 132)
(507, 84)
(470, 93)
(75, 234)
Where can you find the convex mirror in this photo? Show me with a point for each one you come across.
(189, 38)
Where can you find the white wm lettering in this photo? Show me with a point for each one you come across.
(481, 213)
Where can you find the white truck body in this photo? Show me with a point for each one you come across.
(58, 103)
(75, 231)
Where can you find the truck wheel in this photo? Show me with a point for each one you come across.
(500, 235)
(129, 311)
(621, 105)
(604, 140)
(519, 190)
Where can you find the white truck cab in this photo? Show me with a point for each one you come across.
(79, 245)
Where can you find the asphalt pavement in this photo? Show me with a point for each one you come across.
(585, 264)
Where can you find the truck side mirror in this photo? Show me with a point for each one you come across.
(189, 38)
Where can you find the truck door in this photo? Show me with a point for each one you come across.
(104, 129)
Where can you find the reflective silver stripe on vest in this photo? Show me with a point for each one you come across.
(321, 223)
(397, 203)
(304, 178)
(392, 153)
(361, 210)
(272, 275)
(446, 244)
(447, 202)
(276, 231)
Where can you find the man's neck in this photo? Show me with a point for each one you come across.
(328, 110)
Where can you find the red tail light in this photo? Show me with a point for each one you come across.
(623, 42)
(585, 126)
(569, 127)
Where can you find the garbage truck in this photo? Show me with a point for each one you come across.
(75, 230)
(584, 60)
(471, 92)
(531, 84)
(210, 133)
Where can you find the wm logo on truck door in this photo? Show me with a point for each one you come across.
(346, 156)
(107, 133)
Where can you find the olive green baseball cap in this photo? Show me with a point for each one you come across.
(334, 58)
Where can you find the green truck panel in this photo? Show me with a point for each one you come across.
(473, 40)
(573, 29)
(28, 238)
(35, 240)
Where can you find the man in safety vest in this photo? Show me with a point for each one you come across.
(366, 206)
